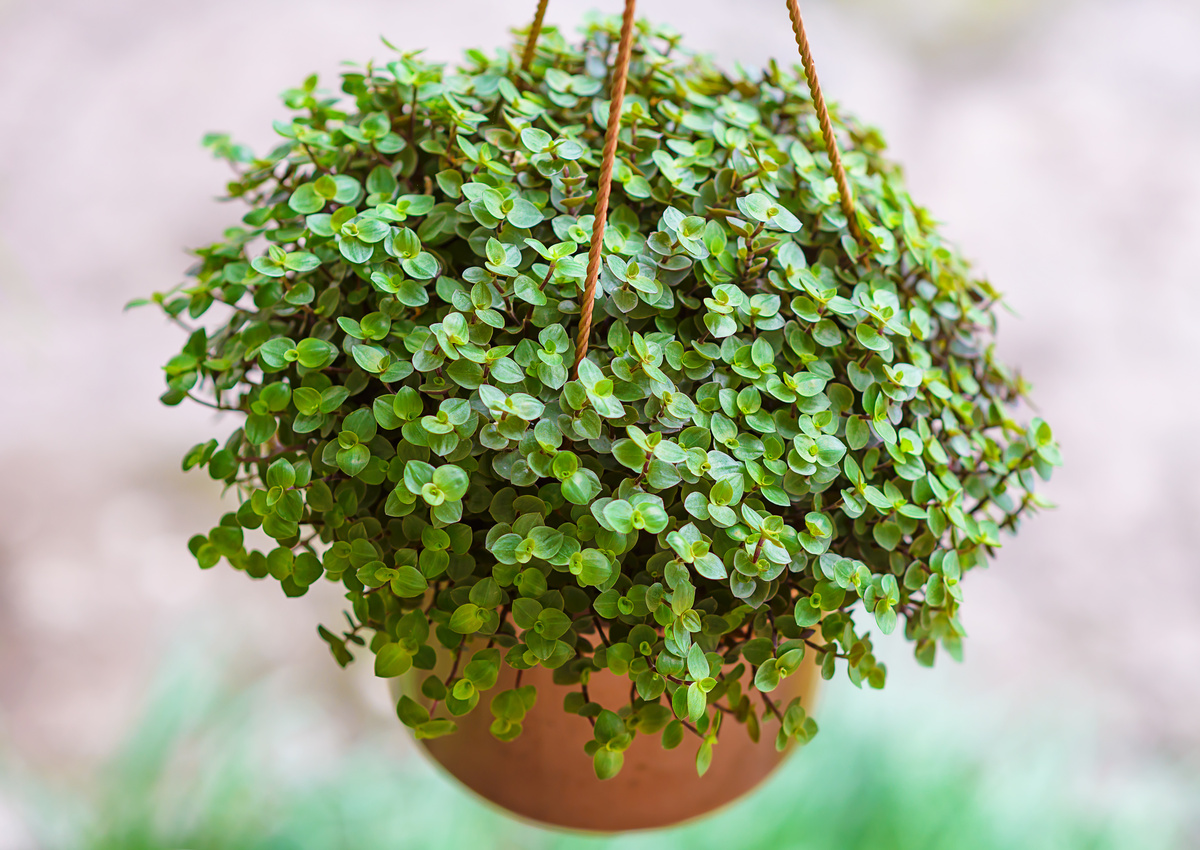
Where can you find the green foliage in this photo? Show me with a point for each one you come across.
(774, 426)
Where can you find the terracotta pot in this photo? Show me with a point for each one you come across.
(545, 776)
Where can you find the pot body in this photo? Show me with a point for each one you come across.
(544, 774)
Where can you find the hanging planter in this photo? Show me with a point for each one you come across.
(608, 395)
(540, 776)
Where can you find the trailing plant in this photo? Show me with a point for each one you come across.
(775, 427)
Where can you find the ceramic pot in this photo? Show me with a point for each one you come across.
(545, 776)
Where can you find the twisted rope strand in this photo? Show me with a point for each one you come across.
(620, 73)
(535, 30)
(831, 148)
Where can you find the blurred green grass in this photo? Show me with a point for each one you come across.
(210, 768)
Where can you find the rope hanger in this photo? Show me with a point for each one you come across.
(535, 30)
(831, 147)
(612, 130)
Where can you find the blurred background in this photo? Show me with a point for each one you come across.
(144, 704)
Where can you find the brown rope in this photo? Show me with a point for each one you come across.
(814, 87)
(620, 73)
(535, 30)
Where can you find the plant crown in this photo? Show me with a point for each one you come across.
(773, 427)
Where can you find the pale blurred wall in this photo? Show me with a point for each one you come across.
(1058, 141)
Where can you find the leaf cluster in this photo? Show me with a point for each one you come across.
(775, 427)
